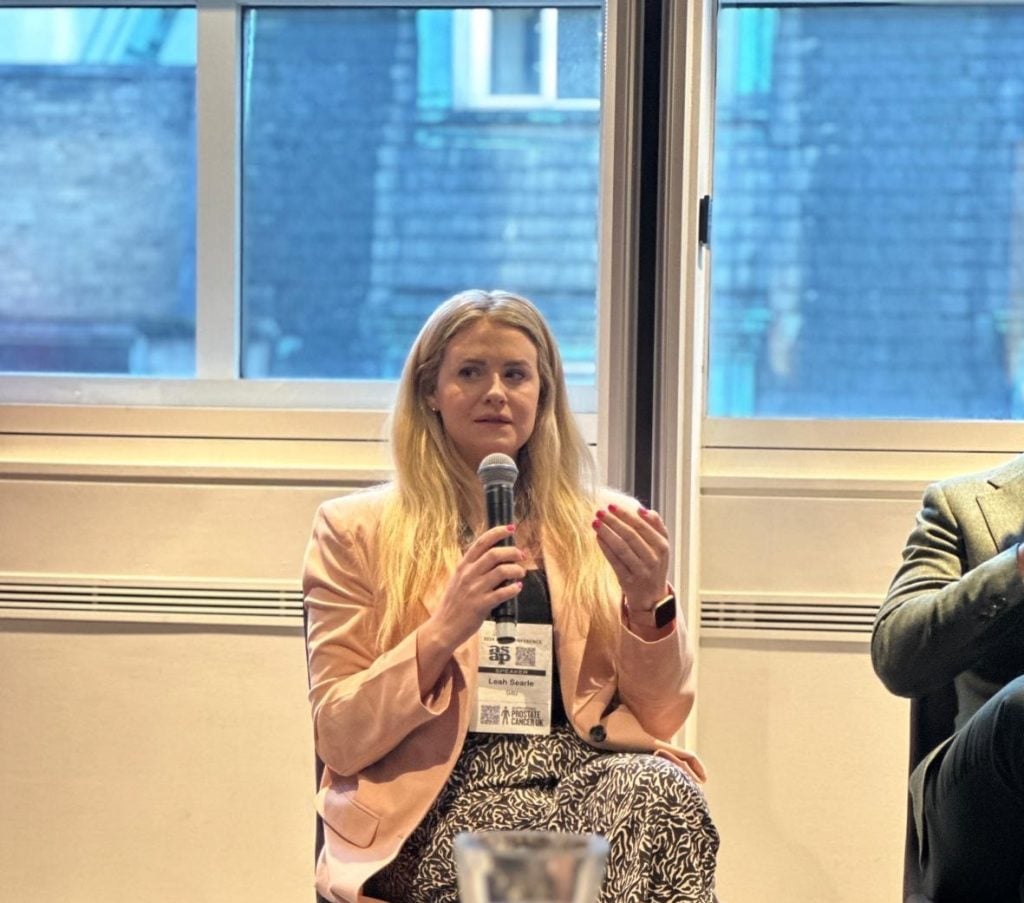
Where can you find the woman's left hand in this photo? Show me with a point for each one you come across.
(636, 546)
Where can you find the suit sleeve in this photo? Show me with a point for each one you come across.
(364, 702)
(939, 617)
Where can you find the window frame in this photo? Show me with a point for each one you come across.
(737, 444)
(217, 402)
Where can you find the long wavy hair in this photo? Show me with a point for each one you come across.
(438, 499)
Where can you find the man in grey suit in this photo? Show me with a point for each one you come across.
(955, 613)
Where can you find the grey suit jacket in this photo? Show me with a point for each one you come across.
(955, 609)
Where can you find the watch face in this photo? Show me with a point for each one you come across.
(665, 611)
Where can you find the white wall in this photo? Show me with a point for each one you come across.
(807, 760)
(169, 759)
(154, 762)
(151, 757)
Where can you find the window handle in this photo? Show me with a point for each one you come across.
(704, 221)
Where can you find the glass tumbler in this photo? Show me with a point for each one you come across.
(529, 867)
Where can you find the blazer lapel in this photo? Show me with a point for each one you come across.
(556, 588)
(1001, 509)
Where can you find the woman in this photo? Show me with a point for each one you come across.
(398, 583)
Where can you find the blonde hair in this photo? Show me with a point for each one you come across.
(436, 492)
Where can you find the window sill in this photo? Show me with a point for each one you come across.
(918, 436)
(221, 445)
(200, 460)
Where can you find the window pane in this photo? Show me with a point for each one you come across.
(97, 224)
(579, 53)
(515, 51)
(869, 213)
(368, 197)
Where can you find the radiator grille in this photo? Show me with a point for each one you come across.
(851, 616)
(267, 603)
(85, 599)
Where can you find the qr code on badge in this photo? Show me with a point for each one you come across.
(526, 656)
(490, 714)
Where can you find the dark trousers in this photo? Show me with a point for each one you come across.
(974, 807)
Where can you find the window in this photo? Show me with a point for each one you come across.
(361, 197)
(97, 139)
(527, 58)
(868, 244)
(362, 211)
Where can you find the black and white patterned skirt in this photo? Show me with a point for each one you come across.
(661, 837)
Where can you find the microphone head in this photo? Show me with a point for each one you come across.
(497, 469)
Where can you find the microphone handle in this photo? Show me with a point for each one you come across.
(498, 498)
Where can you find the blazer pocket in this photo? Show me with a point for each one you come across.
(350, 818)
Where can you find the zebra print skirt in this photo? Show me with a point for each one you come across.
(654, 816)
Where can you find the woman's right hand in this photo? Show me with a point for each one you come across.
(478, 585)
(487, 575)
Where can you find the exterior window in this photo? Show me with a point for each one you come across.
(525, 58)
(97, 224)
(868, 244)
(368, 197)
(367, 194)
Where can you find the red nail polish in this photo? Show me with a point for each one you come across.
(642, 512)
(601, 514)
(511, 528)
(596, 524)
(612, 508)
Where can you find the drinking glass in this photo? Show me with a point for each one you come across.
(529, 866)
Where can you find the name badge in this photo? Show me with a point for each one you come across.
(513, 686)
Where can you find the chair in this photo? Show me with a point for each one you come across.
(932, 719)
(318, 841)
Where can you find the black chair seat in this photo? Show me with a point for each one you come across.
(932, 720)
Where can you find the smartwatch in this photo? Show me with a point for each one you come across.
(665, 611)
(661, 614)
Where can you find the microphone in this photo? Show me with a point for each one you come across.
(498, 473)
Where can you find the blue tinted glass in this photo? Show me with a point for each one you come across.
(97, 224)
(579, 53)
(515, 53)
(868, 239)
(371, 194)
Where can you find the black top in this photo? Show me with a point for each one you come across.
(535, 608)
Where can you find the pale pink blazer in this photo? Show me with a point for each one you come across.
(388, 753)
